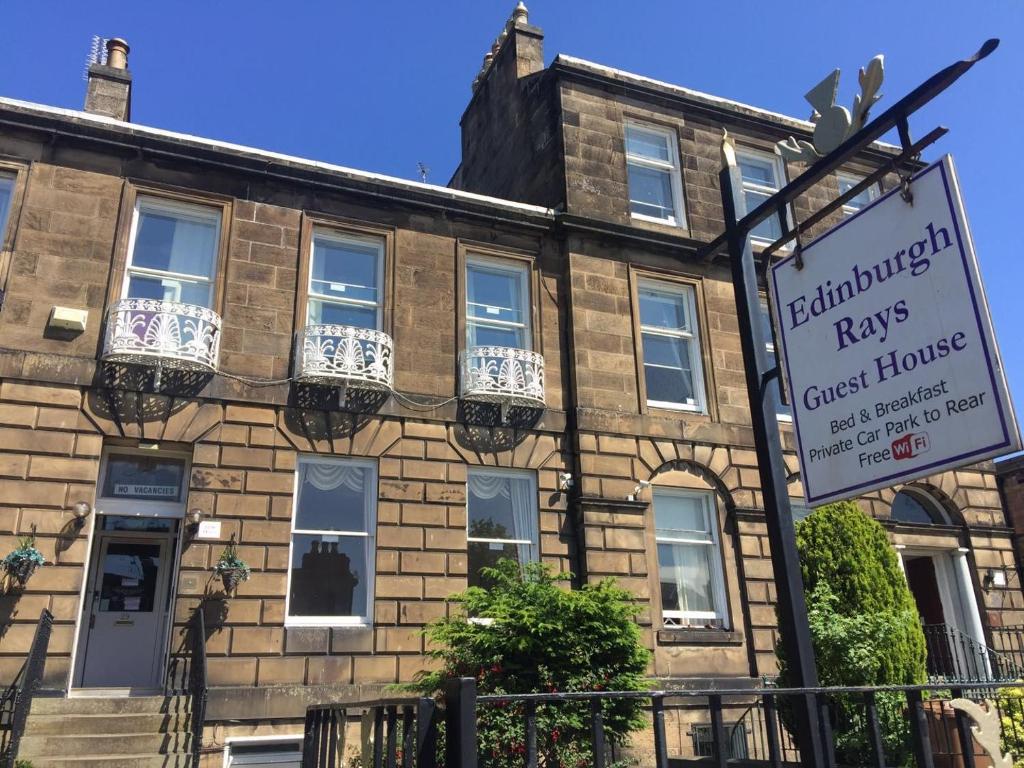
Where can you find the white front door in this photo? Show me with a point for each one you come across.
(126, 611)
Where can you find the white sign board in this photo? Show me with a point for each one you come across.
(887, 346)
(208, 529)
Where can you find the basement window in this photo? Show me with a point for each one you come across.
(264, 751)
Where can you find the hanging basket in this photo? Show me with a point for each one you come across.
(20, 569)
(232, 577)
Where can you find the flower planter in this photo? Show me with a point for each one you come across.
(21, 570)
(232, 577)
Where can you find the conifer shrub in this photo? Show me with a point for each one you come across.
(526, 632)
(864, 625)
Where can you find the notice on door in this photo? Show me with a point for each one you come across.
(887, 345)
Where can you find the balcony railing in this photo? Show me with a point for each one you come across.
(333, 355)
(503, 375)
(164, 333)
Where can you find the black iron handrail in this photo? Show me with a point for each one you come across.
(954, 656)
(19, 695)
(197, 683)
(398, 731)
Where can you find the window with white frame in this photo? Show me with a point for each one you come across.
(652, 167)
(345, 280)
(689, 561)
(671, 345)
(332, 542)
(854, 204)
(6, 195)
(762, 176)
(173, 252)
(502, 518)
(799, 508)
(782, 410)
(497, 303)
(276, 751)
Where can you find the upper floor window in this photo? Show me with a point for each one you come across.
(6, 193)
(671, 346)
(332, 542)
(345, 280)
(502, 518)
(763, 176)
(497, 303)
(689, 561)
(782, 410)
(652, 165)
(172, 253)
(854, 204)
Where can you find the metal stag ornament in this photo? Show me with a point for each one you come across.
(988, 729)
(833, 124)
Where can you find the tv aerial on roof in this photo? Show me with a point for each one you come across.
(97, 54)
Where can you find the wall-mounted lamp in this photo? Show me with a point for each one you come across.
(81, 510)
(639, 487)
(994, 578)
(565, 481)
(194, 517)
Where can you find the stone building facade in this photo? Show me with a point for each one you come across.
(570, 228)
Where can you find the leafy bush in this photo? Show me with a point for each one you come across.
(528, 634)
(864, 624)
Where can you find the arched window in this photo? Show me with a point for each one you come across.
(912, 505)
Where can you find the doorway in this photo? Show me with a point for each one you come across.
(127, 604)
(954, 648)
(126, 610)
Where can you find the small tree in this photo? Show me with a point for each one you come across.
(864, 624)
(530, 635)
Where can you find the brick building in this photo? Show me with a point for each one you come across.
(375, 386)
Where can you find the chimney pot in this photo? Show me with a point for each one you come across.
(520, 15)
(117, 53)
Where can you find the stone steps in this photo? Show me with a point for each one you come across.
(133, 732)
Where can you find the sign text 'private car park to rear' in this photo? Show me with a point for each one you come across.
(887, 344)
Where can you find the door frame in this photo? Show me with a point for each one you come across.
(124, 508)
(168, 544)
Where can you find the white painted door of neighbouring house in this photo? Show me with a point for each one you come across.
(126, 610)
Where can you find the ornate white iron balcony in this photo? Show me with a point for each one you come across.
(165, 333)
(342, 354)
(503, 375)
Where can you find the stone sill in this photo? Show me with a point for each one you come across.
(699, 637)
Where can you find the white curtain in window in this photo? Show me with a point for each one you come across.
(327, 477)
(524, 505)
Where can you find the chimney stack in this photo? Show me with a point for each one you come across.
(109, 91)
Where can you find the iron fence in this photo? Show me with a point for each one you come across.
(925, 726)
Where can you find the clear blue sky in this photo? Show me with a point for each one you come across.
(381, 85)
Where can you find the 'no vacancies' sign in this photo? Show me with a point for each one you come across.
(887, 344)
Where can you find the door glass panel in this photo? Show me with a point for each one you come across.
(129, 576)
(131, 476)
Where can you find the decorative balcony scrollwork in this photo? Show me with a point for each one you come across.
(335, 355)
(503, 375)
(167, 334)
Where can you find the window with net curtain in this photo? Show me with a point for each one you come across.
(332, 542)
(502, 519)
(689, 561)
(173, 252)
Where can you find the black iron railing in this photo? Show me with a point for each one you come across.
(1008, 641)
(863, 726)
(17, 699)
(955, 657)
(197, 686)
(394, 732)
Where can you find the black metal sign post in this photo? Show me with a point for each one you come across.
(812, 732)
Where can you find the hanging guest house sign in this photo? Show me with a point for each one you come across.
(887, 344)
